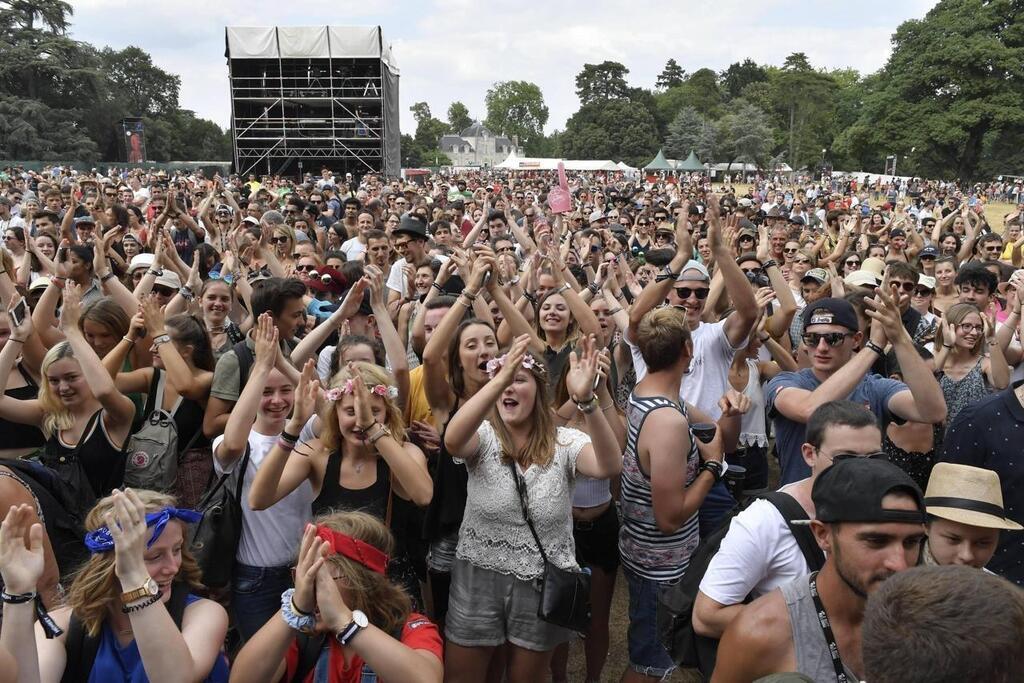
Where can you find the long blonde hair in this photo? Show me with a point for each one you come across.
(385, 604)
(56, 416)
(95, 587)
(371, 375)
(540, 447)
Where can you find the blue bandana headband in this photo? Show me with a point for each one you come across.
(100, 540)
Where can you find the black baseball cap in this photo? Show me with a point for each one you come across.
(928, 251)
(852, 489)
(831, 312)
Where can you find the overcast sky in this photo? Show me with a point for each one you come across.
(455, 49)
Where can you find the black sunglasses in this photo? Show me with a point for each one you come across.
(922, 291)
(852, 262)
(163, 291)
(279, 240)
(907, 287)
(877, 455)
(700, 292)
(303, 268)
(812, 339)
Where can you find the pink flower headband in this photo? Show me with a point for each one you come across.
(529, 362)
(348, 387)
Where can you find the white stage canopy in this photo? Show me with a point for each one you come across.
(289, 42)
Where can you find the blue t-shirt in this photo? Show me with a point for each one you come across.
(873, 391)
(116, 663)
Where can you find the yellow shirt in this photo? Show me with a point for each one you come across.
(419, 408)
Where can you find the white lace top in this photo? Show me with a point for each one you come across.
(494, 534)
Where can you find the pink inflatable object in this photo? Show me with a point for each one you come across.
(559, 198)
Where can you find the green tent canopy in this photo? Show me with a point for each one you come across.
(659, 163)
(692, 163)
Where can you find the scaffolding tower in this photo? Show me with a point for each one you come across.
(304, 98)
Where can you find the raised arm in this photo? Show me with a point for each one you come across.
(602, 458)
(460, 438)
(283, 470)
(319, 334)
(389, 337)
(196, 388)
(243, 414)
(112, 286)
(741, 320)
(118, 408)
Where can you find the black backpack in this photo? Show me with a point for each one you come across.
(246, 358)
(81, 648)
(675, 606)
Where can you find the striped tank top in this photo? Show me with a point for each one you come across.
(645, 549)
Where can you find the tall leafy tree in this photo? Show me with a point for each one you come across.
(683, 133)
(143, 87)
(458, 116)
(953, 83)
(672, 75)
(618, 129)
(604, 81)
(516, 108)
(803, 100)
(747, 134)
(29, 129)
(739, 75)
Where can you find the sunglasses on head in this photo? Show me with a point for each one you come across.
(700, 292)
(813, 339)
(261, 272)
(217, 275)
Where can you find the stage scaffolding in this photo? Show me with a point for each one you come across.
(303, 98)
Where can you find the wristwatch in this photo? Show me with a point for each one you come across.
(358, 623)
(147, 590)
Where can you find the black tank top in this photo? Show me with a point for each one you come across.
(102, 462)
(12, 434)
(372, 499)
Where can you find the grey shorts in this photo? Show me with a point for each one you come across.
(486, 609)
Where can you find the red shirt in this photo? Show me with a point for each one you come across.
(418, 633)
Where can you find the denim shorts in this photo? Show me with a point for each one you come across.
(647, 655)
(486, 608)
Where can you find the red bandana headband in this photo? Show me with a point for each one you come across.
(354, 549)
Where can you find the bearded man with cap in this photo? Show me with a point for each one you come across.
(841, 361)
(870, 523)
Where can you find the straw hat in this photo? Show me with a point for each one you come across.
(969, 495)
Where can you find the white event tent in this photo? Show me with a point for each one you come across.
(519, 163)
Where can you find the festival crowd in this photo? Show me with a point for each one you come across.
(357, 429)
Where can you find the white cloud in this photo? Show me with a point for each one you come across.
(455, 49)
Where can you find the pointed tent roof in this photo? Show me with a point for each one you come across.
(692, 163)
(659, 163)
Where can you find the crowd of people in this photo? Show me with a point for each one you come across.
(352, 429)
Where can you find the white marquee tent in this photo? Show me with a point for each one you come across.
(519, 163)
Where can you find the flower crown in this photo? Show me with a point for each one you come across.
(349, 386)
(529, 362)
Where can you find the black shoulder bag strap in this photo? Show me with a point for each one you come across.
(520, 488)
(241, 474)
(81, 648)
(792, 511)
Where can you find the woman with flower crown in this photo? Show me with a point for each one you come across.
(361, 460)
(507, 438)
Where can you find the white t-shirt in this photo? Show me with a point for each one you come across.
(271, 537)
(354, 249)
(757, 555)
(396, 278)
(708, 378)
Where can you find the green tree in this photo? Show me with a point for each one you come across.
(700, 91)
(747, 134)
(420, 112)
(29, 129)
(739, 75)
(143, 87)
(672, 75)
(683, 133)
(458, 116)
(516, 108)
(803, 100)
(428, 129)
(619, 129)
(953, 83)
(604, 81)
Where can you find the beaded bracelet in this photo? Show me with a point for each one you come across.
(152, 600)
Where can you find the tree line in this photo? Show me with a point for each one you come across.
(62, 98)
(948, 103)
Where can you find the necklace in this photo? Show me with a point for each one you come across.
(217, 329)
